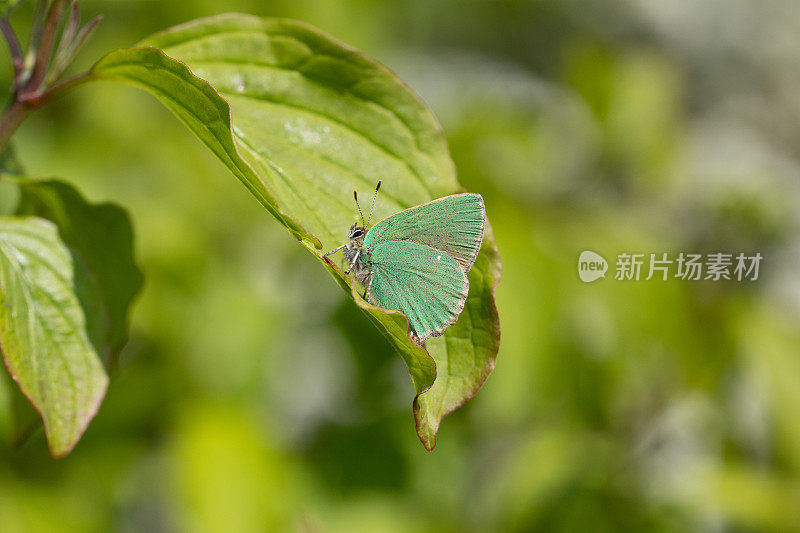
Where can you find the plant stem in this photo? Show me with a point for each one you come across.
(38, 100)
(45, 46)
(32, 92)
(24, 105)
(14, 49)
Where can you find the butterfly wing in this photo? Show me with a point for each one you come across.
(425, 284)
(453, 224)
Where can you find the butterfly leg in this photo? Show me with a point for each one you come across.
(334, 251)
(368, 290)
(353, 262)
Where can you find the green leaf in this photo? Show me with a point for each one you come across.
(100, 240)
(199, 107)
(42, 331)
(302, 120)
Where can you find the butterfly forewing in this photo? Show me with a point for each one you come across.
(425, 284)
(453, 224)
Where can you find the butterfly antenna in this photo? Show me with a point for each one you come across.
(355, 195)
(374, 196)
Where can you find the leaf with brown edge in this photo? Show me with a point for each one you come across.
(466, 353)
(302, 120)
(43, 331)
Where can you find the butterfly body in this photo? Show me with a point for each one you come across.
(356, 256)
(416, 261)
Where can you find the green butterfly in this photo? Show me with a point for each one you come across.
(416, 261)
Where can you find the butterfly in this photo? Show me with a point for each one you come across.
(416, 261)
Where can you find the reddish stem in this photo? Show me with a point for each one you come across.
(14, 48)
(45, 47)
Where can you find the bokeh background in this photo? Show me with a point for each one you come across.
(254, 396)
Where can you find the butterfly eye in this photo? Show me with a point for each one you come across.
(357, 233)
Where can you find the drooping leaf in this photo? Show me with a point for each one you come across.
(302, 120)
(43, 330)
(100, 240)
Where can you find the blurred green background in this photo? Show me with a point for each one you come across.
(254, 395)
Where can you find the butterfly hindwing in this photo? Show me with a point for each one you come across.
(425, 284)
(453, 224)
